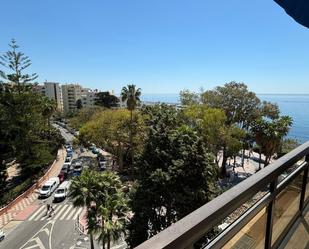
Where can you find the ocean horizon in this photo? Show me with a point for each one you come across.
(293, 105)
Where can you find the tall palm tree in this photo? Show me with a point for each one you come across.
(83, 193)
(49, 106)
(112, 209)
(132, 97)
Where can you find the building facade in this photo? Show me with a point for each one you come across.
(70, 94)
(52, 90)
(73, 92)
(88, 97)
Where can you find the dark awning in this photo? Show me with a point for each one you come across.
(298, 9)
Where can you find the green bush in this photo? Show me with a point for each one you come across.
(15, 192)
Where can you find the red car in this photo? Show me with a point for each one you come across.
(61, 177)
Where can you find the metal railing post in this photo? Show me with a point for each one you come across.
(304, 185)
(270, 214)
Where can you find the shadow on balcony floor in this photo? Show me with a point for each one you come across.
(298, 237)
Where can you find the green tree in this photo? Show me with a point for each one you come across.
(3, 174)
(109, 129)
(79, 104)
(132, 97)
(175, 175)
(241, 107)
(83, 116)
(219, 137)
(49, 107)
(23, 115)
(188, 98)
(83, 193)
(210, 123)
(269, 110)
(101, 194)
(106, 99)
(24, 135)
(16, 62)
(287, 145)
(269, 134)
(112, 209)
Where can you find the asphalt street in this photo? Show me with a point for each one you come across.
(40, 231)
(59, 231)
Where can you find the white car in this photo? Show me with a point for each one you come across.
(62, 191)
(49, 187)
(78, 167)
(2, 235)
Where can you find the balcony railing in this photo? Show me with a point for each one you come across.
(284, 195)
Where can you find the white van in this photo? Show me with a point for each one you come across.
(62, 191)
(49, 187)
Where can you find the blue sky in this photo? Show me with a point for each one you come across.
(162, 46)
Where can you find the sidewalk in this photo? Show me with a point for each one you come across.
(32, 197)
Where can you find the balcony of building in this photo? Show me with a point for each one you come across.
(277, 218)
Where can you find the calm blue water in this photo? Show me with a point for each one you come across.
(296, 106)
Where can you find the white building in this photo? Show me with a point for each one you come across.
(70, 94)
(73, 92)
(53, 91)
(88, 97)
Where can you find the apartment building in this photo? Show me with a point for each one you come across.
(70, 94)
(73, 92)
(88, 97)
(53, 91)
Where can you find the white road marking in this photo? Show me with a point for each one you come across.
(47, 217)
(71, 213)
(77, 213)
(38, 244)
(65, 213)
(59, 212)
(34, 238)
(36, 213)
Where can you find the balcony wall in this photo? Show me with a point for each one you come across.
(278, 219)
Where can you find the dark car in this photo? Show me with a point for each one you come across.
(62, 176)
(70, 154)
(65, 169)
(102, 163)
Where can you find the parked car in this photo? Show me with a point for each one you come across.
(68, 145)
(69, 149)
(77, 169)
(68, 159)
(102, 163)
(70, 154)
(63, 175)
(2, 235)
(49, 187)
(95, 150)
(65, 168)
(62, 191)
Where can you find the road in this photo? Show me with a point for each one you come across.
(44, 232)
(67, 136)
(36, 230)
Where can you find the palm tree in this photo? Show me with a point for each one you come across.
(112, 209)
(106, 204)
(132, 97)
(49, 107)
(83, 192)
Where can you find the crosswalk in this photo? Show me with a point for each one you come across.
(17, 208)
(62, 212)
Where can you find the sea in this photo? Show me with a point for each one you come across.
(293, 105)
